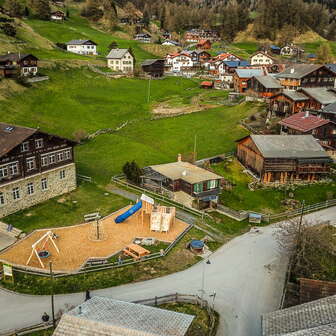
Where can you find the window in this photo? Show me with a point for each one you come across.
(198, 187)
(44, 184)
(44, 161)
(30, 163)
(16, 193)
(39, 143)
(3, 172)
(68, 154)
(13, 169)
(52, 158)
(2, 199)
(212, 184)
(60, 156)
(30, 188)
(62, 174)
(25, 146)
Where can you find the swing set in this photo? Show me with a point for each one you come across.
(41, 252)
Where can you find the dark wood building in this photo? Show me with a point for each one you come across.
(153, 67)
(199, 184)
(34, 166)
(263, 86)
(242, 75)
(306, 76)
(17, 64)
(284, 158)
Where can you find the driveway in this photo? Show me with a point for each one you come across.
(247, 275)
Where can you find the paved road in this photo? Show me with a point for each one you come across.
(245, 288)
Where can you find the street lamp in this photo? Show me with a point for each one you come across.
(203, 276)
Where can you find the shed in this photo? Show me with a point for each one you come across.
(207, 84)
(153, 67)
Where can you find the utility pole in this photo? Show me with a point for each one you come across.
(195, 145)
(52, 295)
(149, 90)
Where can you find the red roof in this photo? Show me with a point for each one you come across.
(207, 83)
(303, 121)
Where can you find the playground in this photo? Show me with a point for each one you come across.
(69, 248)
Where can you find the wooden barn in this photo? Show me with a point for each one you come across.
(284, 158)
(16, 64)
(153, 67)
(263, 86)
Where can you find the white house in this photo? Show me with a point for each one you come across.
(57, 16)
(82, 47)
(144, 38)
(170, 43)
(120, 60)
(261, 58)
(182, 61)
(291, 50)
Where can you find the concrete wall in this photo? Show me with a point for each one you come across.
(56, 187)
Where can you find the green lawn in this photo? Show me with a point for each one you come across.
(77, 27)
(81, 100)
(265, 200)
(68, 209)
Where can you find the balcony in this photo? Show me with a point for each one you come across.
(212, 192)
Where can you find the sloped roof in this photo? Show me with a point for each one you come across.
(80, 42)
(185, 171)
(322, 95)
(331, 108)
(294, 95)
(14, 57)
(289, 146)
(105, 317)
(249, 73)
(298, 71)
(236, 64)
(117, 53)
(263, 53)
(316, 318)
(269, 82)
(332, 67)
(304, 122)
(151, 61)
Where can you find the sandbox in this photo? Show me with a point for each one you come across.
(75, 247)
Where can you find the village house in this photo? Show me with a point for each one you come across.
(57, 16)
(153, 67)
(263, 86)
(179, 62)
(306, 75)
(143, 38)
(108, 317)
(121, 60)
(190, 185)
(329, 112)
(171, 43)
(307, 123)
(226, 69)
(17, 64)
(196, 35)
(311, 57)
(166, 36)
(288, 102)
(34, 167)
(204, 44)
(242, 75)
(291, 50)
(82, 47)
(198, 56)
(275, 49)
(207, 85)
(261, 58)
(319, 97)
(284, 158)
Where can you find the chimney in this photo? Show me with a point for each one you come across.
(179, 158)
(292, 70)
(306, 114)
(79, 310)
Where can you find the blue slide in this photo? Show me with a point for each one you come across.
(129, 213)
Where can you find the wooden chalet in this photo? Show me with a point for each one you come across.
(307, 123)
(34, 166)
(284, 158)
(204, 44)
(153, 67)
(263, 86)
(319, 97)
(242, 75)
(306, 76)
(198, 56)
(329, 112)
(17, 64)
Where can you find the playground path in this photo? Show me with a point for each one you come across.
(247, 274)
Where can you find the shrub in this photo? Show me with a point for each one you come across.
(8, 29)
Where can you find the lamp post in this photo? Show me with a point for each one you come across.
(52, 294)
(203, 276)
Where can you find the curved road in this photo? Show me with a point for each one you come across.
(247, 275)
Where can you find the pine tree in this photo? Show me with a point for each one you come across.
(331, 36)
(14, 7)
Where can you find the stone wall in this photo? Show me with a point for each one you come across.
(55, 187)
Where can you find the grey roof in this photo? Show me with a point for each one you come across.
(104, 316)
(269, 82)
(331, 108)
(332, 67)
(249, 73)
(14, 57)
(298, 71)
(117, 53)
(295, 95)
(322, 95)
(316, 318)
(80, 42)
(289, 146)
(151, 61)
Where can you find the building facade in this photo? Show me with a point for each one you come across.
(16, 64)
(82, 47)
(261, 58)
(34, 167)
(121, 60)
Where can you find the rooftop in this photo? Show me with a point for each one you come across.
(295, 95)
(185, 171)
(151, 61)
(316, 318)
(108, 317)
(80, 42)
(323, 95)
(249, 73)
(14, 57)
(117, 53)
(298, 71)
(304, 122)
(269, 82)
(289, 146)
(331, 108)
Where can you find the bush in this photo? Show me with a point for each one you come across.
(8, 29)
(132, 171)
(61, 45)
